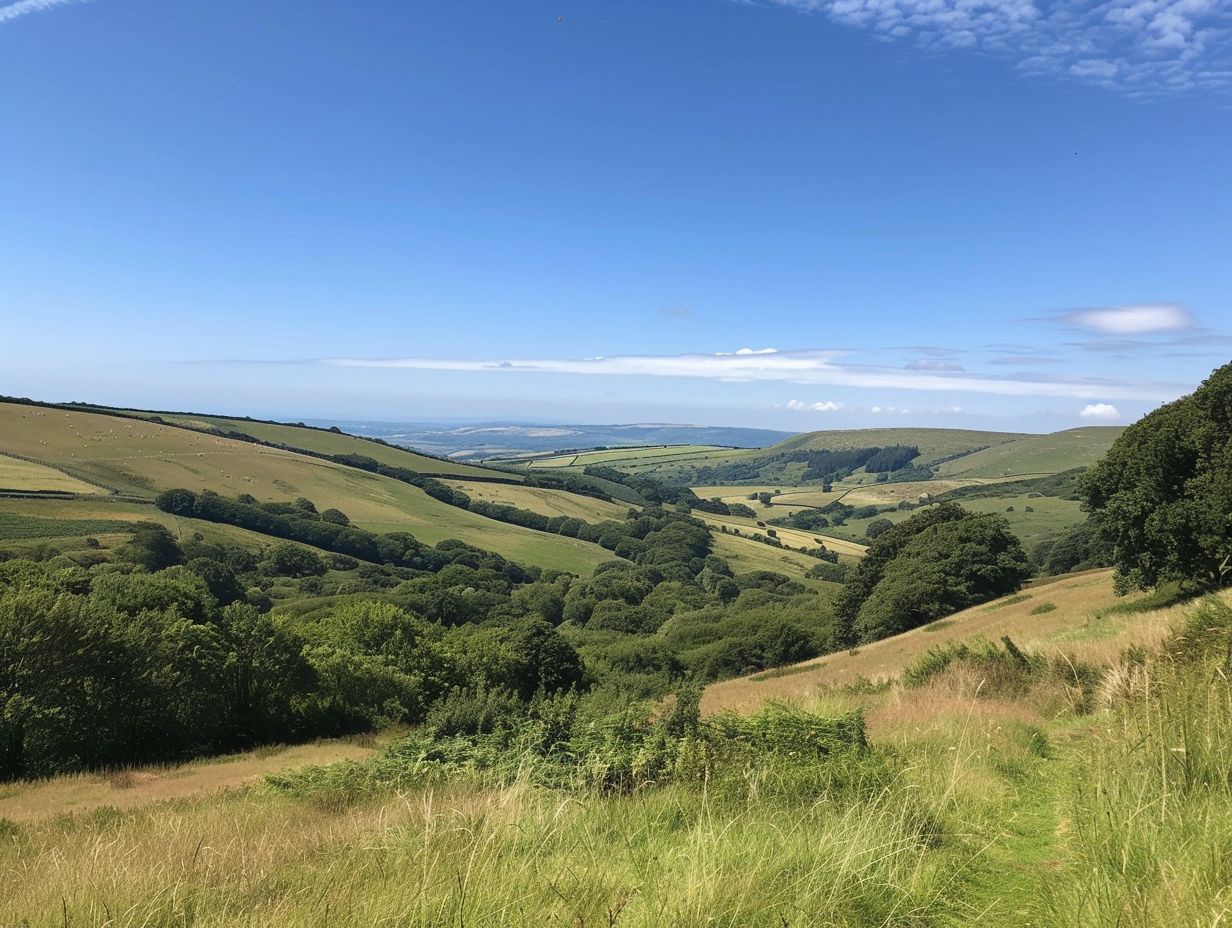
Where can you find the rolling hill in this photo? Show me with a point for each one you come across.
(141, 458)
(1080, 615)
(320, 441)
(1036, 454)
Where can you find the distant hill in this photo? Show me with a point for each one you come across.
(499, 439)
(933, 443)
(1036, 454)
(138, 457)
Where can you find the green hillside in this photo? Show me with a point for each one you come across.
(1036, 454)
(933, 443)
(324, 441)
(143, 458)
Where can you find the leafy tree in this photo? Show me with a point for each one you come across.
(940, 560)
(152, 547)
(1163, 493)
(288, 560)
(878, 527)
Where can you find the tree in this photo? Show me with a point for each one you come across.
(288, 560)
(1163, 493)
(939, 561)
(152, 547)
(878, 527)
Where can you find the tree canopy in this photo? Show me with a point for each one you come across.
(939, 561)
(1163, 493)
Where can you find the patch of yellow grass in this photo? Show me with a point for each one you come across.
(1076, 598)
(545, 502)
(131, 789)
(16, 474)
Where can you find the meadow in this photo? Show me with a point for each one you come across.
(972, 789)
(1036, 454)
(142, 458)
(324, 441)
(16, 474)
(548, 502)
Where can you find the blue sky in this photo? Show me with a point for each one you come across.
(1005, 214)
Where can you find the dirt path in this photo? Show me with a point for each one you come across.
(132, 788)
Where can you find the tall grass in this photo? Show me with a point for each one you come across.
(1149, 821)
(983, 798)
(517, 855)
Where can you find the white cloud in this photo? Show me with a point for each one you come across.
(827, 406)
(22, 7)
(820, 367)
(1104, 412)
(933, 364)
(1144, 47)
(1143, 319)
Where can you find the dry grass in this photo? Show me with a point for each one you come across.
(1073, 627)
(144, 457)
(131, 789)
(545, 502)
(16, 474)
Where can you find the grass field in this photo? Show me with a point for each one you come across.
(132, 789)
(1079, 625)
(16, 474)
(323, 441)
(145, 458)
(624, 458)
(545, 502)
(933, 443)
(63, 521)
(1037, 454)
(745, 554)
(1048, 517)
(969, 808)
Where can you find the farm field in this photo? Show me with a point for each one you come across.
(16, 474)
(1079, 623)
(933, 443)
(323, 441)
(795, 538)
(1032, 519)
(63, 520)
(545, 502)
(1036, 454)
(146, 458)
(745, 555)
(625, 456)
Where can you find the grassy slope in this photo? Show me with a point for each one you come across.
(995, 811)
(546, 502)
(1037, 454)
(16, 474)
(145, 458)
(933, 443)
(323, 441)
(1079, 624)
(70, 795)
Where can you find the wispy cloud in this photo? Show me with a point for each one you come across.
(1024, 360)
(23, 7)
(1144, 319)
(1144, 47)
(825, 406)
(933, 364)
(820, 367)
